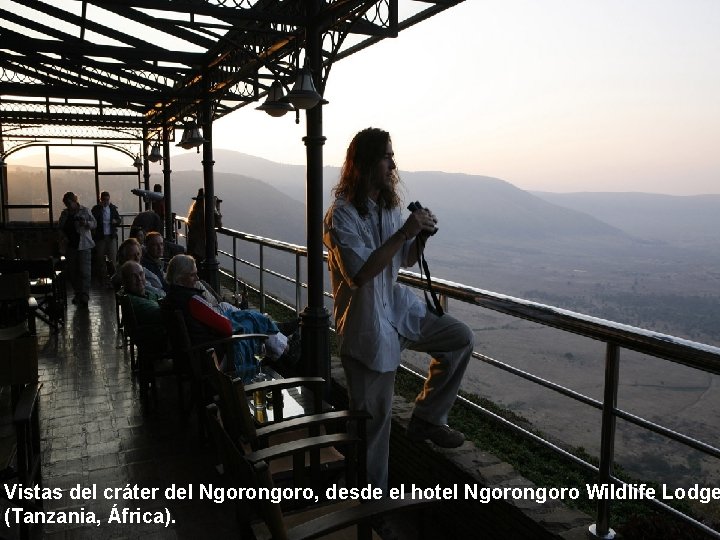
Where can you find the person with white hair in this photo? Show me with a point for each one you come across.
(208, 318)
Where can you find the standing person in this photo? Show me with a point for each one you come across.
(196, 225)
(158, 205)
(376, 317)
(105, 237)
(75, 224)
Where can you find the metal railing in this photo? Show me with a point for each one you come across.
(616, 336)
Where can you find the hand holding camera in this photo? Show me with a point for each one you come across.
(424, 218)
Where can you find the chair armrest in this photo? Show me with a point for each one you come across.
(300, 446)
(314, 383)
(231, 339)
(310, 420)
(26, 404)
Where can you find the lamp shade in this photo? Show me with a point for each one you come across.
(138, 162)
(303, 95)
(155, 154)
(274, 104)
(191, 137)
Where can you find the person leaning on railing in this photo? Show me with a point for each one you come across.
(375, 316)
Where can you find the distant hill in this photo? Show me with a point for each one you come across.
(249, 205)
(613, 255)
(290, 179)
(689, 221)
(469, 207)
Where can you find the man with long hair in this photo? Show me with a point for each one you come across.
(376, 317)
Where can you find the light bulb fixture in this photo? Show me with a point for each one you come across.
(155, 154)
(138, 162)
(191, 137)
(304, 95)
(276, 103)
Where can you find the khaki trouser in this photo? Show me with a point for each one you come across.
(450, 342)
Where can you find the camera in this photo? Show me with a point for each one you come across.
(417, 206)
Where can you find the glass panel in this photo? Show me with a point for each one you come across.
(119, 186)
(71, 156)
(41, 215)
(26, 185)
(82, 183)
(112, 159)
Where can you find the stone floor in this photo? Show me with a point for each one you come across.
(98, 436)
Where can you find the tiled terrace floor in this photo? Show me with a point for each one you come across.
(97, 433)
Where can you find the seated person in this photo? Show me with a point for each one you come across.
(152, 259)
(130, 250)
(150, 333)
(138, 234)
(208, 320)
(144, 302)
(148, 221)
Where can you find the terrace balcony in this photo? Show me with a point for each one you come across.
(98, 434)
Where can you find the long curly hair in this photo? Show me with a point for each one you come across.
(360, 171)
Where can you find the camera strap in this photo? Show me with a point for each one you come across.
(435, 306)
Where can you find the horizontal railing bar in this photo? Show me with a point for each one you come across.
(266, 270)
(255, 239)
(677, 513)
(256, 290)
(681, 351)
(669, 433)
(540, 381)
(507, 423)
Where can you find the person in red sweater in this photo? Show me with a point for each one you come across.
(208, 318)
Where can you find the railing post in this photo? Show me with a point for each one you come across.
(298, 285)
(262, 280)
(602, 529)
(235, 279)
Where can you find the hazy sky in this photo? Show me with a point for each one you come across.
(558, 95)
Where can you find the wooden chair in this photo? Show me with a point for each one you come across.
(123, 339)
(17, 306)
(190, 359)
(47, 285)
(150, 355)
(18, 371)
(326, 519)
(252, 434)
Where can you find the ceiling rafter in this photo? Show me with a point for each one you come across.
(160, 24)
(87, 24)
(172, 55)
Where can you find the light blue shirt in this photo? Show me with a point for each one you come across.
(107, 228)
(369, 319)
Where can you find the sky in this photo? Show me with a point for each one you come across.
(553, 95)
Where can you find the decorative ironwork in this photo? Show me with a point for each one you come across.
(149, 63)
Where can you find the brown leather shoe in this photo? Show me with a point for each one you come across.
(442, 435)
